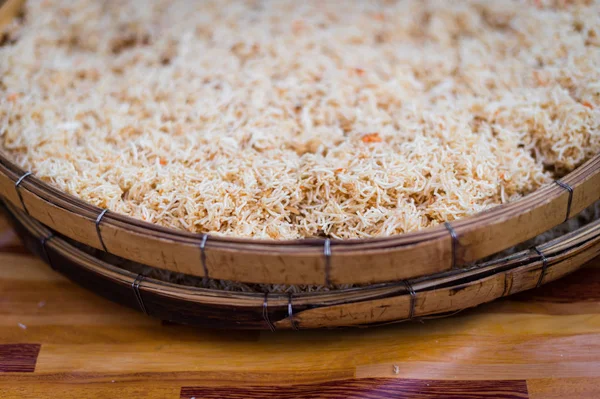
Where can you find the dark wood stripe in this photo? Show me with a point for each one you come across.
(372, 388)
(581, 286)
(18, 358)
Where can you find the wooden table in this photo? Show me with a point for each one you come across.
(60, 341)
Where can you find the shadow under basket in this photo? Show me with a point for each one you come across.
(425, 297)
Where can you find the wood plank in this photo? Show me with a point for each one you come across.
(18, 358)
(181, 378)
(374, 388)
(165, 385)
(82, 388)
(147, 385)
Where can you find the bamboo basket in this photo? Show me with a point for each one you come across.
(430, 260)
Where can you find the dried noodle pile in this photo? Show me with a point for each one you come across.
(291, 119)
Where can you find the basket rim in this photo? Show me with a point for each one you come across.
(565, 246)
(563, 243)
(491, 215)
(436, 249)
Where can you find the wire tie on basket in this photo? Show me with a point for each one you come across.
(454, 242)
(291, 313)
(136, 291)
(327, 253)
(265, 313)
(98, 220)
(567, 187)
(17, 188)
(413, 298)
(203, 254)
(544, 266)
(45, 250)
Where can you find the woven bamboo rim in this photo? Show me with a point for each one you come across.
(310, 261)
(432, 296)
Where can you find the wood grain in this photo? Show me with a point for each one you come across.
(373, 388)
(18, 358)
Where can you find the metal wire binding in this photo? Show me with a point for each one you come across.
(327, 253)
(265, 313)
(454, 242)
(98, 220)
(136, 291)
(570, 190)
(45, 250)
(203, 255)
(544, 266)
(17, 184)
(291, 313)
(413, 298)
